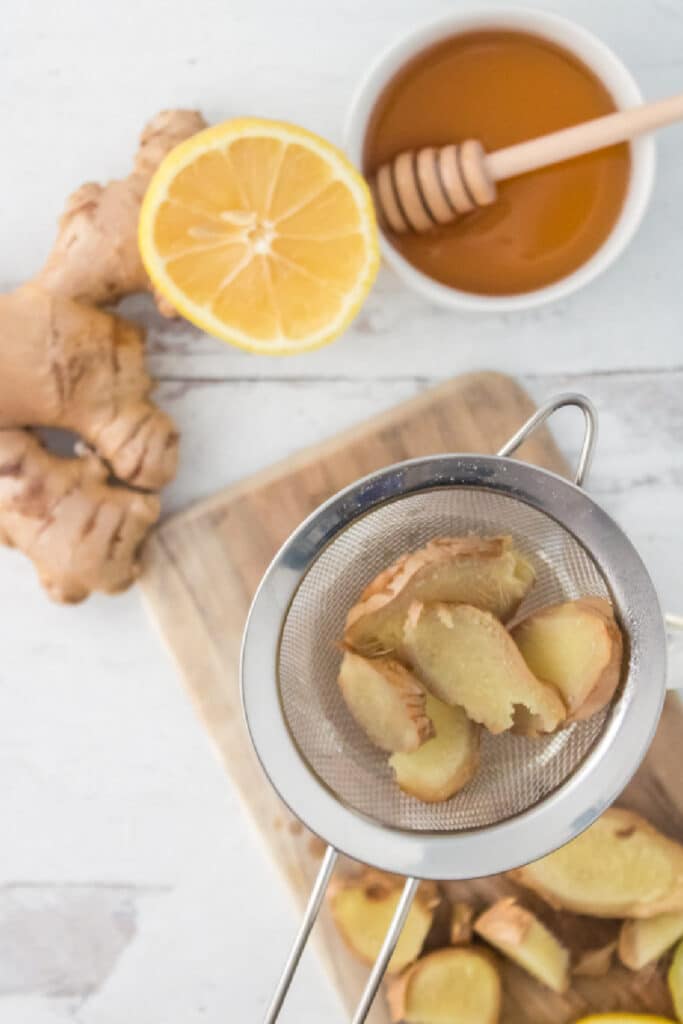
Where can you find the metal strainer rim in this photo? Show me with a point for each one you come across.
(571, 807)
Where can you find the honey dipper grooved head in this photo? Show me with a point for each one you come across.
(420, 189)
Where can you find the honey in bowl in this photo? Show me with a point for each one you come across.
(503, 87)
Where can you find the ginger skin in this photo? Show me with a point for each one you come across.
(95, 258)
(67, 365)
(80, 369)
(81, 533)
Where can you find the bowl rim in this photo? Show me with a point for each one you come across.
(587, 47)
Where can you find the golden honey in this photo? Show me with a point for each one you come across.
(503, 87)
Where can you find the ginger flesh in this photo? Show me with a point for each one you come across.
(519, 934)
(621, 866)
(363, 906)
(465, 657)
(577, 648)
(445, 763)
(95, 258)
(486, 572)
(386, 701)
(449, 985)
(643, 941)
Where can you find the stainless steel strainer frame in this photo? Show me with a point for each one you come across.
(558, 817)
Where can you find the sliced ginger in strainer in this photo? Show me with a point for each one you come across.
(262, 234)
(386, 700)
(484, 571)
(465, 657)
(362, 907)
(576, 647)
(445, 763)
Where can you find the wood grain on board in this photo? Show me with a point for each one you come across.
(202, 568)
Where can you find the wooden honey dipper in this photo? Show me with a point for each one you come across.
(421, 189)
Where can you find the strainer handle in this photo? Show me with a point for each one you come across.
(674, 630)
(306, 926)
(308, 920)
(545, 412)
(388, 946)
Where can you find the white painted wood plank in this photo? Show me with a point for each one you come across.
(233, 428)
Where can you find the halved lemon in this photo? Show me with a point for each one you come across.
(262, 234)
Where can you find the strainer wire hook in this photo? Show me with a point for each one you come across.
(590, 437)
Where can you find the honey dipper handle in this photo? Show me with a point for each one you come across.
(582, 138)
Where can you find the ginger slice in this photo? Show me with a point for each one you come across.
(595, 963)
(444, 764)
(465, 657)
(450, 985)
(462, 915)
(619, 867)
(386, 700)
(519, 934)
(484, 571)
(362, 907)
(643, 941)
(576, 647)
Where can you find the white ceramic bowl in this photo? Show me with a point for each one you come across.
(600, 59)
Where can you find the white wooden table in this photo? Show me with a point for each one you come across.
(130, 887)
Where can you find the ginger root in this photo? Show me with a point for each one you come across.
(77, 368)
(577, 648)
(362, 907)
(80, 369)
(465, 657)
(81, 533)
(621, 866)
(486, 572)
(445, 763)
(519, 934)
(95, 258)
(65, 365)
(643, 941)
(386, 700)
(458, 984)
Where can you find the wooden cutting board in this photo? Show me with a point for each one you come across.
(202, 568)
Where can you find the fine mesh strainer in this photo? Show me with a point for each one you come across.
(530, 795)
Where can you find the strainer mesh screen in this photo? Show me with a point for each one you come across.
(515, 772)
